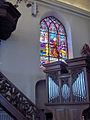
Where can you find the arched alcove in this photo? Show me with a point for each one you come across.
(40, 93)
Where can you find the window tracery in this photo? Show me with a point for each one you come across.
(53, 41)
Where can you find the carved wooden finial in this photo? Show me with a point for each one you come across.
(85, 50)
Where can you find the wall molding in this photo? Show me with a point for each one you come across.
(65, 7)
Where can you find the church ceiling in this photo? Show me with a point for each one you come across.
(82, 4)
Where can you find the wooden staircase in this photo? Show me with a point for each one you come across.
(15, 102)
(4, 115)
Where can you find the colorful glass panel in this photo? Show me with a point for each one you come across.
(54, 50)
(44, 49)
(62, 53)
(48, 21)
(53, 44)
(52, 18)
(44, 37)
(53, 59)
(43, 26)
(43, 60)
(52, 28)
(61, 30)
(52, 38)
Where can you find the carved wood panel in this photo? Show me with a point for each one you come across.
(18, 99)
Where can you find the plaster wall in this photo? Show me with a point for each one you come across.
(19, 55)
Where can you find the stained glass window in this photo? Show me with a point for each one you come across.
(53, 41)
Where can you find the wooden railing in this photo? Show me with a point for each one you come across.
(14, 101)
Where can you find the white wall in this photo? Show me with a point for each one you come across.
(19, 55)
(80, 34)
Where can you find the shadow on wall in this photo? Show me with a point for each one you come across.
(86, 114)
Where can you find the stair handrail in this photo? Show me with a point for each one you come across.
(15, 97)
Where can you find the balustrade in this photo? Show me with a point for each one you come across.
(18, 100)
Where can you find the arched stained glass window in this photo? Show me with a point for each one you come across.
(53, 41)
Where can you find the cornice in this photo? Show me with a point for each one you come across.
(65, 7)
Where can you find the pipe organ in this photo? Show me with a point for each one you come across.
(68, 88)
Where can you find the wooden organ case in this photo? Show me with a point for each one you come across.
(68, 89)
